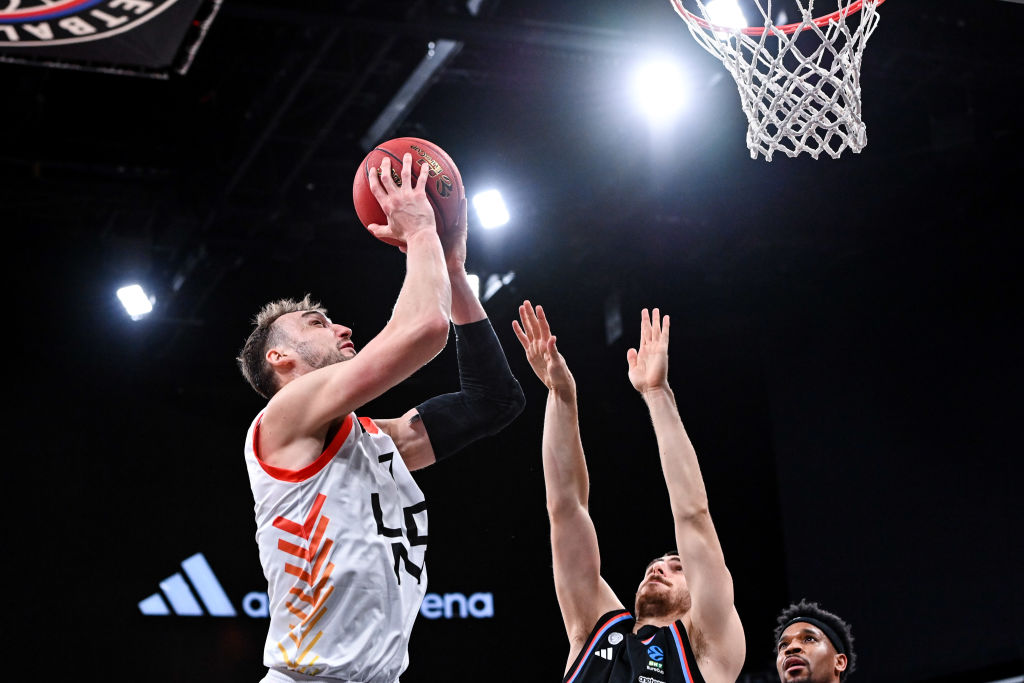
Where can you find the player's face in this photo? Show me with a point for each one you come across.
(316, 340)
(805, 655)
(663, 591)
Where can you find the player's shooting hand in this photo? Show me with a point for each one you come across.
(534, 333)
(407, 207)
(648, 367)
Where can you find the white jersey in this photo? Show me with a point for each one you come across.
(342, 543)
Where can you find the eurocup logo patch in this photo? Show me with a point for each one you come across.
(28, 23)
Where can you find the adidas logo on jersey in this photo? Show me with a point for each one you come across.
(604, 653)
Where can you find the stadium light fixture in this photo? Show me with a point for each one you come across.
(135, 301)
(491, 209)
(659, 90)
(474, 283)
(726, 13)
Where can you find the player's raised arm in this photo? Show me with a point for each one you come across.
(489, 395)
(582, 593)
(713, 614)
(313, 398)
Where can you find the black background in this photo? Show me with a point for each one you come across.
(845, 348)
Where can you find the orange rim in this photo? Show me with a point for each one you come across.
(758, 30)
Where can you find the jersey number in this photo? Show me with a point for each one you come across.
(398, 549)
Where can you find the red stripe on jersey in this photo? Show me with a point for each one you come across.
(305, 528)
(593, 641)
(682, 653)
(282, 474)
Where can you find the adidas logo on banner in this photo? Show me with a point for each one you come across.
(181, 598)
(605, 653)
(188, 598)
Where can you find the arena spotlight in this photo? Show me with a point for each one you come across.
(135, 301)
(490, 208)
(659, 90)
(726, 13)
(474, 283)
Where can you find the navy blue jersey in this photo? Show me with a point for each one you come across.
(614, 654)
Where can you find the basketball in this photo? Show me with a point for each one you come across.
(444, 183)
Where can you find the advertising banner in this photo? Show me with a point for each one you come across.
(152, 38)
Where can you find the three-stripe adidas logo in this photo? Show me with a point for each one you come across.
(604, 653)
(200, 578)
(183, 601)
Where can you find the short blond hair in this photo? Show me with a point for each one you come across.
(252, 360)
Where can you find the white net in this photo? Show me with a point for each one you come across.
(799, 84)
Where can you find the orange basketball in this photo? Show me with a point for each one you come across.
(444, 183)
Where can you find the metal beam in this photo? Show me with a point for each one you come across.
(438, 55)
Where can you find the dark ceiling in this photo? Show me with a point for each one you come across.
(212, 182)
(848, 329)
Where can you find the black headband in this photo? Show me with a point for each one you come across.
(829, 632)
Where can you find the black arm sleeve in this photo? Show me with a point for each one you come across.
(489, 398)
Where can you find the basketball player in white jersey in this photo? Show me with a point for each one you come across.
(340, 523)
(684, 627)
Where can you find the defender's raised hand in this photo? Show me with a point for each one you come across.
(648, 367)
(534, 333)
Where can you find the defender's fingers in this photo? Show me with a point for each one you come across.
(645, 326)
(524, 317)
(631, 358)
(655, 323)
(542, 318)
(529, 318)
(520, 335)
(664, 329)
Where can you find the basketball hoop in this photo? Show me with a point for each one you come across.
(797, 99)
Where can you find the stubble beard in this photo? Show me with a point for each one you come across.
(317, 359)
(809, 676)
(806, 677)
(661, 604)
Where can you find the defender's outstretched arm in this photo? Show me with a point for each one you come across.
(713, 613)
(583, 595)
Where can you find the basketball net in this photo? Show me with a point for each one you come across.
(798, 98)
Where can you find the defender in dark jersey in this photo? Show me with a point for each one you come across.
(813, 645)
(684, 628)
